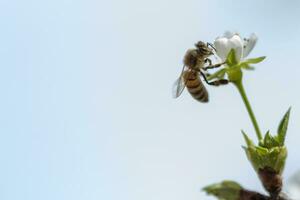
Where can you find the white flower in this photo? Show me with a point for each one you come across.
(249, 44)
(234, 41)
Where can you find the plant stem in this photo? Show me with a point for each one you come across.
(242, 92)
(250, 195)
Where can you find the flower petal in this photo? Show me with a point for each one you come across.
(249, 44)
(221, 47)
(229, 34)
(236, 43)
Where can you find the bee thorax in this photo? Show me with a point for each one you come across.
(191, 58)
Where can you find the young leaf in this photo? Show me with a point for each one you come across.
(269, 141)
(255, 60)
(226, 190)
(282, 128)
(231, 59)
(247, 139)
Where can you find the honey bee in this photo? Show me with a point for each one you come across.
(194, 66)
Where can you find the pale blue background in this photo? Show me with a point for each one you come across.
(86, 109)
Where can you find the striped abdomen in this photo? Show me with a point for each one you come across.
(195, 86)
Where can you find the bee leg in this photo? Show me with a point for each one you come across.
(207, 60)
(210, 45)
(219, 82)
(216, 82)
(214, 66)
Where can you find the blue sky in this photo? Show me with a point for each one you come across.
(86, 107)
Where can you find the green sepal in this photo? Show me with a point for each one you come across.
(234, 73)
(255, 60)
(282, 128)
(218, 74)
(231, 59)
(234, 68)
(226, 190)
(247, 66)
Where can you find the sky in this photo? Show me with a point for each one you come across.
(86, 106)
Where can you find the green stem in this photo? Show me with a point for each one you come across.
(242, 92)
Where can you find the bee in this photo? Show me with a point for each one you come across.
(194, 67)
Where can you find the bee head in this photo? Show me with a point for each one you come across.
(204, 48)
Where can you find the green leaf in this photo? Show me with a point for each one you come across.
(231, 59)
(269, 141)
(249, 142)
(226, 190)
(218, 74)
(261, 157)
(255, 60)
(282, 128)
(261, 150)
(281, 158)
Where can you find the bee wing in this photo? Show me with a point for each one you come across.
(178, 87)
